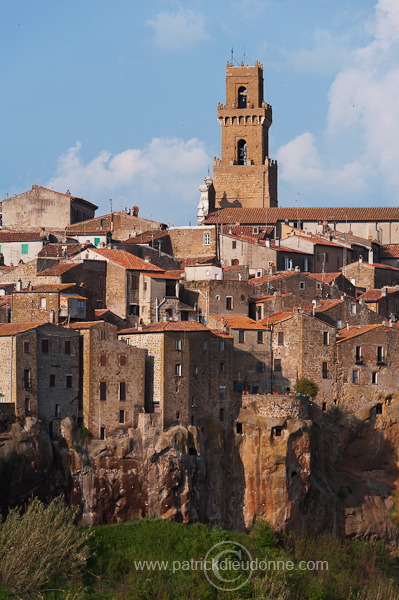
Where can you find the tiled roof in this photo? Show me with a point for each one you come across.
(166, 275)
(269, 297)
(21, 236)
(6, 269)
(375, 265)
(389, 251)
(281, 248)
(198, 260)
(146, 237)
(167, 326)
(315, 239)
(57, 269)
(326, 213)
(84, 324)
(99, 232)
(5, 300)
(376, 294)
(327, 304)
(237, 322)
(99, 312)
(56, 250)
(270, 278)
(276, 318)
(355, 330)
(126, 260)
(74, 296)
(14, 328)
(46, 288)
(221, 334)
(324, 277)
(246, 233)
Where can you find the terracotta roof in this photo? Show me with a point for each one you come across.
(270, 278)
(281, 248)
(314, 239)
(237, 322)
(198, 260)
(355, 330)
(326, 213)
(175, 273)
(126, 260)
(375, 265)
(269, 297)
(99, 232)
(167, 326)
(84, 324)
(57, 251)
(14, 328)
(324, 277)
(327, 304)
(82, 224)
(276, 318)
(165, 275)
(75, 296)
(21, 236)
(57, 269)
(46, 288)
(146, 236)
(5, 300)
(246, 233)
(376, 294)
(389, 251)
(221, 334)
(233, 267)
(99, 312)
(6, 269)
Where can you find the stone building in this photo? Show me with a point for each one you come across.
(159, 298)
(294, 282)
(44, 208)
(217, 298)
(266, 306)
(368, 276)
(188, 372)
(111, 392)
(16, 246)
(345, 311)
(252, 353)
(121, 225)
(383, 302)
(368, 367)
(39, 370)
(245, 176)
(328, 254)
(303, 346)
(49, 302)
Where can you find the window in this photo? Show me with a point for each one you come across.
(242, 97)
(260, 367)
(57, 412)
(102, 433)
(52, 380)
(280, 338)
(192, 402)
(122, 360)
(306, 264)
(134, 310)
(234, 245)
(229, 303)
(358, 354)
(24, 248)
(102, 223)
(380, 354)
(255, 230)
(374, 377)
(207, 239)
(324, 406)
(121, 416)
(239, 427)
(178, 370)
(27, 407)
(339, 324)
(205, 345)
(260, 337)
(241, 336)
(27, 381)
(277, 431)
(222, 393)
(134, 281)
(326, 338)
(221, 368)
(221, 414)
(96, 242)
(122, 391)
(242, 152)
(324, 370)
(43, 303)
(302, 285)
(26, 348)
(355, 376)
(277, 364)
(327, 257)
(177, 344)
(103, 360)
(69, 381)
(196, 370)
(378, 408)
(352, 308)
(103, 334)
(45, 346)
(81, 304)
(103, 390)
(221, 345)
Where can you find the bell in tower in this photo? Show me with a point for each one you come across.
(245, 176)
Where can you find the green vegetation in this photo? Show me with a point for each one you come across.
(356, 570)
(306, 387)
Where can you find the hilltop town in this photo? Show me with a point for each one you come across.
(192, 343)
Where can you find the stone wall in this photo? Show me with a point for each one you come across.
(277, 406)
(193, 241)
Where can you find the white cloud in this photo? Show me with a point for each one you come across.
(327, 53)
(165, 173)
(356, 158)
(178, 31)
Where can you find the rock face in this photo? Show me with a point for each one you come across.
(325, 472)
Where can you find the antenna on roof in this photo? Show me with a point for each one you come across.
(110, 204)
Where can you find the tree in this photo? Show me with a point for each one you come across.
(40, 544)
(306, 387)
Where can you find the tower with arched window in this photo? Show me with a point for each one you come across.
(245, 176)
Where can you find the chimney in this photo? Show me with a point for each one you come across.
(147, 259)
(297, 269)
(371, 257)
(18, 287)
(384, 291)
(277, 242)
(135, 211)
(360, 259)
(52, 316)
(267, 242)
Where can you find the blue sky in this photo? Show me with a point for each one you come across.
(119, 100)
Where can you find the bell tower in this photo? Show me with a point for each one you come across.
(245, 176)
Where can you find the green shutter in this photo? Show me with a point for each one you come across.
(96, 241)
(24, 249)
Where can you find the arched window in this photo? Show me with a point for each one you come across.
(242, 97)
(242, 152)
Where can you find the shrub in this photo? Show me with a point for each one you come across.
(306, 387)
